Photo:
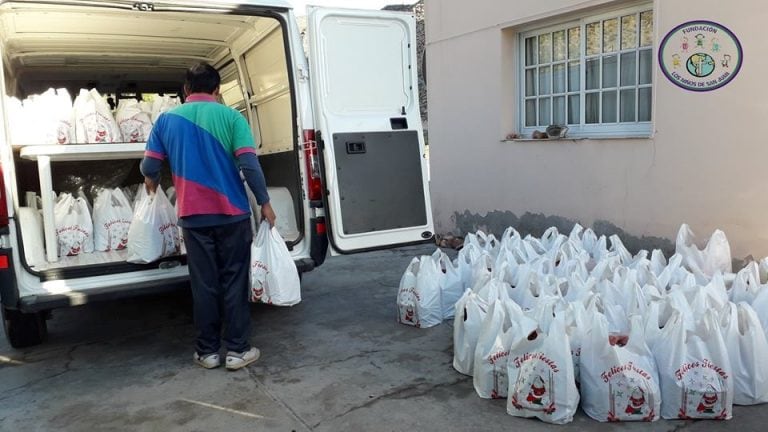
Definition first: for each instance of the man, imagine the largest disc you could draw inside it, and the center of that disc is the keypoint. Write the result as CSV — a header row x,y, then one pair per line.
x,y
207,146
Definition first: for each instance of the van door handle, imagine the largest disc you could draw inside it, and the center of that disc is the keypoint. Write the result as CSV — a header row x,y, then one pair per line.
x,y
355,147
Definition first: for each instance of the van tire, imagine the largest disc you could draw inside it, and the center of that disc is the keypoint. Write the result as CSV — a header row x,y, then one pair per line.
x,y
24,329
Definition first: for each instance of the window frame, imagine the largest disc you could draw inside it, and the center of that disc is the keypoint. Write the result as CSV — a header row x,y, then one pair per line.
x,y
583,129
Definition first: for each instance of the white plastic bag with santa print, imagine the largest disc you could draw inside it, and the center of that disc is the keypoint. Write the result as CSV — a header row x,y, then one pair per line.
x,y
153,233
135,124
470,314
418,298
74,227
54,116
112,214
503,326
748,349
695,370
94,122
273,276
407,302
542,383
618,383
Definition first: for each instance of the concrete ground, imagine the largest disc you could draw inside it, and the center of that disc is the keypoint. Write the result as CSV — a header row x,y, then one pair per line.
x,y
338,361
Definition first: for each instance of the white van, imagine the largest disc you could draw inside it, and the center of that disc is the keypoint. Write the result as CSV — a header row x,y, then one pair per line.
x,y
340,134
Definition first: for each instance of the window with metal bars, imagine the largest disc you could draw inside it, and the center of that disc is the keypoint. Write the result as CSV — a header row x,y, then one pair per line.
x,y
594,75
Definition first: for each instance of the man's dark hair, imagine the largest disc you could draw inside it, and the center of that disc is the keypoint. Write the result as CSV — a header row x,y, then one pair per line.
x,y
202,78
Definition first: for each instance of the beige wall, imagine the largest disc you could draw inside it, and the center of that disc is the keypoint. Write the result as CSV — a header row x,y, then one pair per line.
x,y
705,164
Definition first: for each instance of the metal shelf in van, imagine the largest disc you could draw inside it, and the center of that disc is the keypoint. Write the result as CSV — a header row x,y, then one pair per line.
x,y
79,152
45,154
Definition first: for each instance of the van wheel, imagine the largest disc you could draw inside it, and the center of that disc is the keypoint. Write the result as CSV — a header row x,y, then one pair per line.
x,y
24,329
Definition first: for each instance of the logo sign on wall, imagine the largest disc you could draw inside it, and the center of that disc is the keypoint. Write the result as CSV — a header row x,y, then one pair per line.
x,y
700,55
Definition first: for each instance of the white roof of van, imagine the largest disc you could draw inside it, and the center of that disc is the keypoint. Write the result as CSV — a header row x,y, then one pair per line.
x,y
285,4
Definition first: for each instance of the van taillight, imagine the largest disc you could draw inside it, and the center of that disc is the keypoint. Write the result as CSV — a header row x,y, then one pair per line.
x,y
3,201
311,158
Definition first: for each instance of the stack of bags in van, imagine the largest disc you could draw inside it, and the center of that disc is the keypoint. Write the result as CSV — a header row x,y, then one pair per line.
x,y
553,322
53,118
143,227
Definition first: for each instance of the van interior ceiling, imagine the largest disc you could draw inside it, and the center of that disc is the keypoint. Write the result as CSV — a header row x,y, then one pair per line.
x,y
128,53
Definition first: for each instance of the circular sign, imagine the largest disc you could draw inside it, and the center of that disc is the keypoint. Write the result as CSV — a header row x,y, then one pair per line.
x,y
700,55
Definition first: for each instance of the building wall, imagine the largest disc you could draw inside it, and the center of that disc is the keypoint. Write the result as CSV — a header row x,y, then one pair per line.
x,y
704,164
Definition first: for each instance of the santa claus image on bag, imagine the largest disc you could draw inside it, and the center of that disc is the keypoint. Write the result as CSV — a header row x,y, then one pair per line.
x,y
708,402
636,402
537,392
409,314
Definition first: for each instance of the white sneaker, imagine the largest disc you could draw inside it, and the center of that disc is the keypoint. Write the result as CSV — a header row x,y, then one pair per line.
x,y
237,360
208,361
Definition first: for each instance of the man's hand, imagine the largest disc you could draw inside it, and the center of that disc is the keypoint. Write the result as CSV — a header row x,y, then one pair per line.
x,y
268,214
150,185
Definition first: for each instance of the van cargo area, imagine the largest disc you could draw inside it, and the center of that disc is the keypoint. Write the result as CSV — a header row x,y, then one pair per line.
x,y
141,51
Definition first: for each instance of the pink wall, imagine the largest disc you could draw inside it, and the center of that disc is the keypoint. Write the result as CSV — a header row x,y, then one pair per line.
x,y
705,164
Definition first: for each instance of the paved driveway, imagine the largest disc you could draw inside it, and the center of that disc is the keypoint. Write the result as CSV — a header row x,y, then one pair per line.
x,y
336,362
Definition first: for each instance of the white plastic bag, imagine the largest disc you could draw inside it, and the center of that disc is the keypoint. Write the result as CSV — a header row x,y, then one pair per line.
x,y
162,104
53,116
746,286
153,233
135,124
716,255
94,122
504,325
407,301
274,278
541,376
470,313
618,383
112,214
748,350
74,227
695,370
451,285
31,222
489,372
418,297
465,262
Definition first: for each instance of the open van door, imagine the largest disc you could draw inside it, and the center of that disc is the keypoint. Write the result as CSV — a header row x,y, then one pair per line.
x,y
366,106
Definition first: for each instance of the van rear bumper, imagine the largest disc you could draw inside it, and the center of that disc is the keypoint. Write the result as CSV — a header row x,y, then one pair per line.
x,y
36,303
42,302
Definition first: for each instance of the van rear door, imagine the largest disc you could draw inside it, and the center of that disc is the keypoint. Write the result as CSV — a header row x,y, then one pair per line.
x,y
366,104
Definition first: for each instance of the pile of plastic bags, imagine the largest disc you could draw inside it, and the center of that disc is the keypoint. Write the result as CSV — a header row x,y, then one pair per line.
x,y
53,118
143,226
553,322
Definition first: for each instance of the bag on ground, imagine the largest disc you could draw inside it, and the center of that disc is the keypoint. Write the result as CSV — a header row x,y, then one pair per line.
x,y
748,350
470,313
418,297
503,326
74,227
541,376
619,379
274,278
153,233
716,255
451,286
694,369
112,214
